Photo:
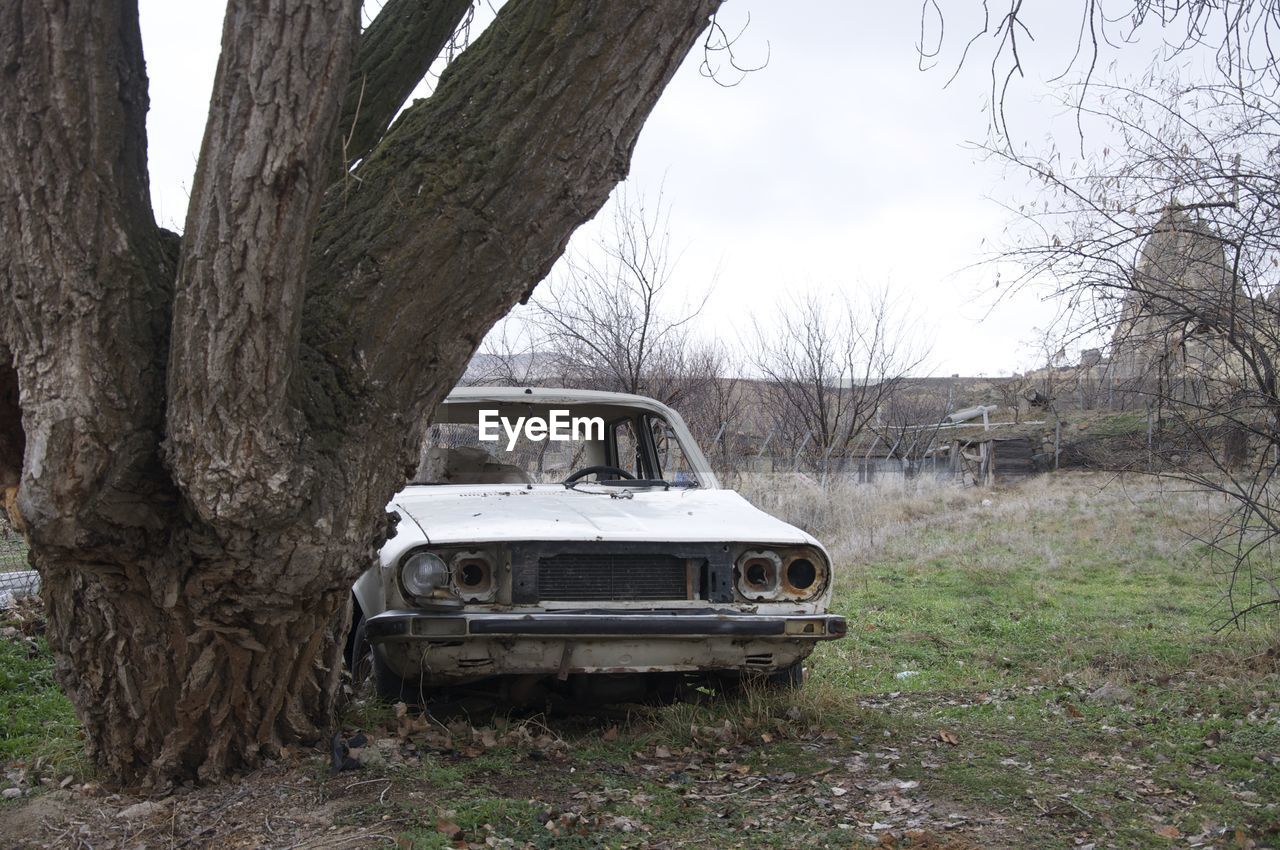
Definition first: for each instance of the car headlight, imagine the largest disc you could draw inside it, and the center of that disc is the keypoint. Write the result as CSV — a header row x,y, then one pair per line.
x,y
473,578
758,574
785,575
423,573
800,573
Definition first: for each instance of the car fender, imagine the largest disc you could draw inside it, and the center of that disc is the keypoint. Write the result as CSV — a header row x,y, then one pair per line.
x,y
368,593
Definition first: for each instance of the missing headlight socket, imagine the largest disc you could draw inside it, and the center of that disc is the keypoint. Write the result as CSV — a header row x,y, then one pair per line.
x,y
473,576
759,571
765,575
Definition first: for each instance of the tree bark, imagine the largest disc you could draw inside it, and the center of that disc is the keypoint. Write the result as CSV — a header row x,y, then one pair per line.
x,y
236,446
526,135
396,51
87,276
12,440
197,598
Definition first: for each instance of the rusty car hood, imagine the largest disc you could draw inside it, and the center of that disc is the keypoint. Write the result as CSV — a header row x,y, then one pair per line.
x,y
498,513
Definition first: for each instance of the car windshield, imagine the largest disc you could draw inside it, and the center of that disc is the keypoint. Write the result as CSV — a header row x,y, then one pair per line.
x,y
475,443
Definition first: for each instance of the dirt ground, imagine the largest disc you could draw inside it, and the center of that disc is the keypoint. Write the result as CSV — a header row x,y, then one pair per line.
x,y
572,782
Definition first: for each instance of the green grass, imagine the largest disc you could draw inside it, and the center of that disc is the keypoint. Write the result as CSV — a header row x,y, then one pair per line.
x,y
1010,614
37,724
1041,598
1018,593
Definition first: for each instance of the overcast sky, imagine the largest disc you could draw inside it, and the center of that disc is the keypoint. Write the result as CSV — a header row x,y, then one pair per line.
x,y
838,165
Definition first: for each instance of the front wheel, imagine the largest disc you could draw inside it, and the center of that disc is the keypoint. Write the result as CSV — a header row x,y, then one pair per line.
x,y
367,669
733,683
787,679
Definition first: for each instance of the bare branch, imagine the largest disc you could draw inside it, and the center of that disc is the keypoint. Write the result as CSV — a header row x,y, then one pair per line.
x,y
1168,253
828,367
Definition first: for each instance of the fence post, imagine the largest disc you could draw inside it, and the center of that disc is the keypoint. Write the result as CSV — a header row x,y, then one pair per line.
x,y
795,461
864,474
767,440
1151,460
1057,439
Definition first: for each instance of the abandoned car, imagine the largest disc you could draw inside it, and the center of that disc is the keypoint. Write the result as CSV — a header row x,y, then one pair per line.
x,y
570,540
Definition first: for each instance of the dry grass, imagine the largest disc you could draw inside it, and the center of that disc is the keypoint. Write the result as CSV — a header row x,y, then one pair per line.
x,y
855,521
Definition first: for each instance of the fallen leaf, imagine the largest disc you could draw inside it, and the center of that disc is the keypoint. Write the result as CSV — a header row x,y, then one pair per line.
x,y
948,737
449,829
661,752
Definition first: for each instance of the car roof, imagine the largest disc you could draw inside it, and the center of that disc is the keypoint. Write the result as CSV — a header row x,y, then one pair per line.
x,y
553,395
466,397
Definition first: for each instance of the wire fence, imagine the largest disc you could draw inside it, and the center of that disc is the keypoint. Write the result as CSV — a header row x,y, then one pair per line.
x,y
843,470
17,578
13,549
950,452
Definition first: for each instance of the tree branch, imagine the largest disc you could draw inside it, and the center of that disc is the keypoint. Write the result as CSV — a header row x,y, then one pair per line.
x,y
473,194
235,438
395,53
84,273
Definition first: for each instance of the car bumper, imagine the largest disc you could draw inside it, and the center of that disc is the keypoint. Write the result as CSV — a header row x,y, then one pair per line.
x,y
415,625
457,647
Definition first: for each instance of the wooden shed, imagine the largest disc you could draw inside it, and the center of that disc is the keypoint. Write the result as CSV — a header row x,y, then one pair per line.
x,y
988,459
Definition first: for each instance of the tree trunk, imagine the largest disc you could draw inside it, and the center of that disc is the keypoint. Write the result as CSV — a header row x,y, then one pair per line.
x,y
172,684
203,476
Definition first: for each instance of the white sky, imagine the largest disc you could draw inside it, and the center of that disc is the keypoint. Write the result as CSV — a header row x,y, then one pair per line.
x,y
838,165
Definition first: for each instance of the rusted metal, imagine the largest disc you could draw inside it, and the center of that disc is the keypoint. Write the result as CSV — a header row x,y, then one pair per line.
x,y
565,656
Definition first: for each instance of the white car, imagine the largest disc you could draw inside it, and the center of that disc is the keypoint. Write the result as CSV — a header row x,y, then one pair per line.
x,y
571,540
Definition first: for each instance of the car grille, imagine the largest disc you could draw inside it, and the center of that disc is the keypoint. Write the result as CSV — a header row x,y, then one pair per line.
x,y
604,577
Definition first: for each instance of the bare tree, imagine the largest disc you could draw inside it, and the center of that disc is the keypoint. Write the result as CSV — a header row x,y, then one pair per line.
x,y
213,424
710,402
1168,247
1013,393
510,356
1241,34
605,320
908,423
827,365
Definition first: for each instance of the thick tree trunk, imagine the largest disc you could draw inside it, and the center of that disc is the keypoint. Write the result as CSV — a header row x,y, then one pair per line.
x,y
204,477
178,679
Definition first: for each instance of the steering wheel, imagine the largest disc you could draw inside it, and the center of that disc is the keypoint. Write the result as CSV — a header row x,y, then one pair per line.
x,y
597,470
